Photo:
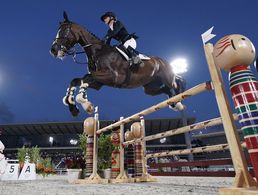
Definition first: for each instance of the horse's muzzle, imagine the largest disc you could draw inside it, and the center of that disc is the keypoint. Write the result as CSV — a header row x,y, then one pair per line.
x,y
54,50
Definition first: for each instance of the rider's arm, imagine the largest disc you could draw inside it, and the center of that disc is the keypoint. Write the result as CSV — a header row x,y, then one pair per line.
x,y
117,27
107,38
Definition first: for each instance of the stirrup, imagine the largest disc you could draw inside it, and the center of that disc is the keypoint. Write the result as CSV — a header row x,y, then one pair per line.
x,y
130,62
136,60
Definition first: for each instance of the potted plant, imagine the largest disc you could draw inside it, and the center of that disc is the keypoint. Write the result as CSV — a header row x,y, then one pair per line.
x,y
83,146
21,154
83,143
74,167
34,154
44,167
105,148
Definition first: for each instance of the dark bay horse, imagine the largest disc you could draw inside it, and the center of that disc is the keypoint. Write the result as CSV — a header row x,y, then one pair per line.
x,y
106,66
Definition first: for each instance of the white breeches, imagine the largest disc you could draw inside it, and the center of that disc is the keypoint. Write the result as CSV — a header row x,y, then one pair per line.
x,y
131,42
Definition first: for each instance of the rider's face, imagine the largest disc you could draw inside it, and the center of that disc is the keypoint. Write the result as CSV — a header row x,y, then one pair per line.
x,y
107,19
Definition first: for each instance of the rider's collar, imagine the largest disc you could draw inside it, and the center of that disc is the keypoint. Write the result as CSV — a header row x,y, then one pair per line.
x,y
111,26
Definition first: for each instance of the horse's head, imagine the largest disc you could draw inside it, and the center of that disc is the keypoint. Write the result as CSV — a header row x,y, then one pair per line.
x,y
65,39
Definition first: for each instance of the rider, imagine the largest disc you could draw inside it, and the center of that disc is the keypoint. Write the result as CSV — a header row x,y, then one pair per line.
x,y
3,162
118,31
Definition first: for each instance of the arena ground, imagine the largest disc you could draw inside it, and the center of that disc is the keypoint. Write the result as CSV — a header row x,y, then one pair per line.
x,y
58,185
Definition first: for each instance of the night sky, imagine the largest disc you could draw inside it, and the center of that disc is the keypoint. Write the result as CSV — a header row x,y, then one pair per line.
x,y
33,83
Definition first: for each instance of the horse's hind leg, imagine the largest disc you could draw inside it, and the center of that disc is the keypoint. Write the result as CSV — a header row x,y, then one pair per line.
x,y
174,85
154,88
180,85
170,79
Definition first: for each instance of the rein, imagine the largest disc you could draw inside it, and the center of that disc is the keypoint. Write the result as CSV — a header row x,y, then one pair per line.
x,y
72,52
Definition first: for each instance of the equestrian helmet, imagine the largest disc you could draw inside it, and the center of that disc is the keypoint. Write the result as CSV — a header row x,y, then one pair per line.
x,y
108,14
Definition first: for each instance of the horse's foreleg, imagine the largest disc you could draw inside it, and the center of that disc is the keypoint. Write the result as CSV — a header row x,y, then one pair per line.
x,y
87,82
68,99
83,100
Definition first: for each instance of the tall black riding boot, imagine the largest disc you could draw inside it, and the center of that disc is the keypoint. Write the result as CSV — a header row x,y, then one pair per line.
x,y
134,58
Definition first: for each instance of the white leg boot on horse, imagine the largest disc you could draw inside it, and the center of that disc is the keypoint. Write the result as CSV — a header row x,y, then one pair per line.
x,y
83,100
68,100
69,96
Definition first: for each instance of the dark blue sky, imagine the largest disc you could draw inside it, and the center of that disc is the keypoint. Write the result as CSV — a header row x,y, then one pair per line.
x,y
33,83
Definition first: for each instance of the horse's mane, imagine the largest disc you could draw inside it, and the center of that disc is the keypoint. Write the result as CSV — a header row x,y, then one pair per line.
x,y
91,33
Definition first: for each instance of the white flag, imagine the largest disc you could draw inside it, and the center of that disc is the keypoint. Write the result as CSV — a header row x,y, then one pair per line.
x,y
206,36
96,109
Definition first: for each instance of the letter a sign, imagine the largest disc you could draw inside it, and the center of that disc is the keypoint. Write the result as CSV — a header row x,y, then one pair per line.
x,y
28,172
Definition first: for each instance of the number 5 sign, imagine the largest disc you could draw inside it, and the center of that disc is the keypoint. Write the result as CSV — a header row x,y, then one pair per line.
x,y
11,172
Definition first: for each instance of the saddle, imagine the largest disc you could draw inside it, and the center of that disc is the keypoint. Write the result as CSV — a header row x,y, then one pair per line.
x,y
126,57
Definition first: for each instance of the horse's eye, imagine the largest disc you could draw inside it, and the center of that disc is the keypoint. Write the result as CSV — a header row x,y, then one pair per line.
x,y
243,38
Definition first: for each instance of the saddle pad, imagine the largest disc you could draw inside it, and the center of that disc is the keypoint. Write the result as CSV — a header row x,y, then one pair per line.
x,y
142,56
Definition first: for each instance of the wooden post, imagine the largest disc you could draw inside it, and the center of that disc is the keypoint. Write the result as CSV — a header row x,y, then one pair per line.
x,y
122,177
95,147
94,177
242,178
143,143
145,175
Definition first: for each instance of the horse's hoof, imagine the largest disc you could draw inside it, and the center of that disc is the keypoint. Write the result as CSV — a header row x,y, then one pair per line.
x,y
74,110
88,107
180,106
177,107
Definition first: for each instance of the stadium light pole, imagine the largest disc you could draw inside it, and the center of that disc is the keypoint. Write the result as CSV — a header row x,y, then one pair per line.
x,y
180,66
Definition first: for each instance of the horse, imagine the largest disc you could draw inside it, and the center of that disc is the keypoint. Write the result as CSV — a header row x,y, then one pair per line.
x,y
106,66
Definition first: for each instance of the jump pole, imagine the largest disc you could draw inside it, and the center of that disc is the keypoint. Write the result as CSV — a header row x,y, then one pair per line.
x,y
185,129
214,148
188,93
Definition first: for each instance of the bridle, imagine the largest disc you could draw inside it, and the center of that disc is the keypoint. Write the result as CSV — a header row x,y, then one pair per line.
x,y
64,39
72,50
